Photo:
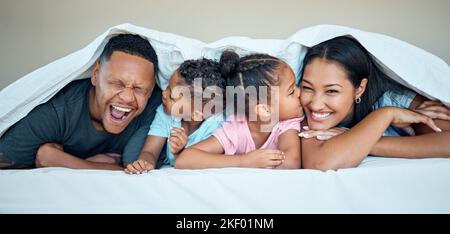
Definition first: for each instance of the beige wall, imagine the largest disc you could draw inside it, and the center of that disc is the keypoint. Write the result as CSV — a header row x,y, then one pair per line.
x,y
36,32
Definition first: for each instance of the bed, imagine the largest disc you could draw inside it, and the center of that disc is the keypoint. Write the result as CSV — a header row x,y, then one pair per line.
x,y
378,185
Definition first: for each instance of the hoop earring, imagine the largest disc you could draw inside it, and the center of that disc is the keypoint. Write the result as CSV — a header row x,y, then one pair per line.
x,y
358,100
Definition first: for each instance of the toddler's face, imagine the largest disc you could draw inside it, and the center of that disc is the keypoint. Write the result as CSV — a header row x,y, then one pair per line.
x,y
176,98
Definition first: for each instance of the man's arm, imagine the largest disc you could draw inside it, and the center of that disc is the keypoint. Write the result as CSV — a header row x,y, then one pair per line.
x,y
20,143
53,155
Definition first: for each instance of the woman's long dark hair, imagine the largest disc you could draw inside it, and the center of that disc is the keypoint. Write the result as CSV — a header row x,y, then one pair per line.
x,y
358,64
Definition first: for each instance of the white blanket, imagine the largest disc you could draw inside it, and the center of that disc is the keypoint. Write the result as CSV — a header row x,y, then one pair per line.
x,y
409,65
379,185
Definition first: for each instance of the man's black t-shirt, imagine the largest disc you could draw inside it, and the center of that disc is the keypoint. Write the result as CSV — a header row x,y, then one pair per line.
x,y
65,120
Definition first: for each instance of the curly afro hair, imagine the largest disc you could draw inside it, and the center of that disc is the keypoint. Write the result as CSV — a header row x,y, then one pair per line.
x,y
206,69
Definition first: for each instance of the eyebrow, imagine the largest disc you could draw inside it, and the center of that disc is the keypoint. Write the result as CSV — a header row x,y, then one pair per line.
x,y
328,85
117,79
306,81
333,85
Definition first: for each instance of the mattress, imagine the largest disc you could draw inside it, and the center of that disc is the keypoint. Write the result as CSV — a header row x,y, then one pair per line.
x,y
378,185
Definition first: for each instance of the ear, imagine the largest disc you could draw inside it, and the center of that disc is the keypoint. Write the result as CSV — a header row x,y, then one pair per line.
x,y
197,116
95,73
362,88
263,111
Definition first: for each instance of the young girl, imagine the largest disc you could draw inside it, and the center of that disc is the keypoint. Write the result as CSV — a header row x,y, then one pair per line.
x,y
342,86
245,137
179,121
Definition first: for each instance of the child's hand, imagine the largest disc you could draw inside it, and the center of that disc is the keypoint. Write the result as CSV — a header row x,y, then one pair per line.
x,y
139,166
263,158
177,140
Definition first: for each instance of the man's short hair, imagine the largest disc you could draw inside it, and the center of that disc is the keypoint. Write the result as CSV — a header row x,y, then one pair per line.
x,y
131,44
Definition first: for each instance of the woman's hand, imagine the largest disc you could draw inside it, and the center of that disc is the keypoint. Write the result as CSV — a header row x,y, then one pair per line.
x,y
322,135
403,118
434,110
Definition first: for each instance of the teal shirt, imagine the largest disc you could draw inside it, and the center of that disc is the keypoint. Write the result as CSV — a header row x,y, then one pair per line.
x,y
163,123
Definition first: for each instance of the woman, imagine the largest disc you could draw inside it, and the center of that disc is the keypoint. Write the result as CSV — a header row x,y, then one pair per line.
x,y
342,86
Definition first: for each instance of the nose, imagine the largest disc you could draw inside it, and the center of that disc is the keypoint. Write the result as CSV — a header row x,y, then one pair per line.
x,y
316,103
127,95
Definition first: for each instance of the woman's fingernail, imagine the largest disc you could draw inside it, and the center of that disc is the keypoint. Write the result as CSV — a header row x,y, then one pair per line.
x,y
439,130
305,127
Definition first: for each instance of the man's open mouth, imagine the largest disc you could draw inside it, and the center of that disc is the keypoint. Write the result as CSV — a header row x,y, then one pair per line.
x,y
119,113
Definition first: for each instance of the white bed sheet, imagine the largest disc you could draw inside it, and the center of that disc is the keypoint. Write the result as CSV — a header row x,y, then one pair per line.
x,y
378,185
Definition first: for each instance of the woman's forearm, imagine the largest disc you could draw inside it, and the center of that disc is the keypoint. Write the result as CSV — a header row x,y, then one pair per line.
x,y
349,148
423,146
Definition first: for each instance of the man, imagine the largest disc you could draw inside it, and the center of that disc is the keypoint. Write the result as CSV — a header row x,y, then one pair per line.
x,y
92,122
